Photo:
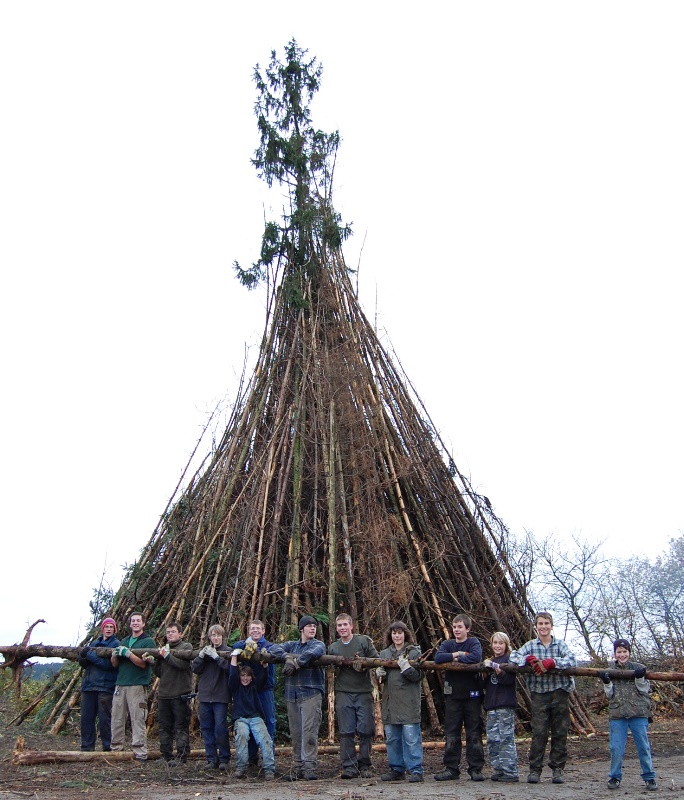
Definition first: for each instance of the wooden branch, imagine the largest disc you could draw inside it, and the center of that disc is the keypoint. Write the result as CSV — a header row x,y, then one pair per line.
x,y
18,653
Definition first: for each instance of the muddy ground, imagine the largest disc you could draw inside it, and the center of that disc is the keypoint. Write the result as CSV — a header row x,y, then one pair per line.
x,y
587,773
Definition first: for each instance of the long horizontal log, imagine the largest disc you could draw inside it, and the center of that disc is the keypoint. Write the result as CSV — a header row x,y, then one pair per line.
x,y
15,654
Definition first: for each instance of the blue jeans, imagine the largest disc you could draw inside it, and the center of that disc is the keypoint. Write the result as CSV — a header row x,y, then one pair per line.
x,y
268,706
618,740
404,748
257,727
214,727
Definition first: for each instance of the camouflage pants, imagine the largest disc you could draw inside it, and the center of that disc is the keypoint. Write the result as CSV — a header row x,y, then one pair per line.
x,y
550,715
501,741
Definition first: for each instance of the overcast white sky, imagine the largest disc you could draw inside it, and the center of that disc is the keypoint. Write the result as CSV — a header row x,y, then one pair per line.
x,y
514,174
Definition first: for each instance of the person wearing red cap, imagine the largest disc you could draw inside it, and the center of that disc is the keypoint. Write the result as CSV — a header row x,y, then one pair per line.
x,y
97,689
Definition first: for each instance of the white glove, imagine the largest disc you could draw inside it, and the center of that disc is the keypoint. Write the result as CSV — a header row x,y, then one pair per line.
x,y
488,663
403,663
202,652
147,658
380,673
165,651
237,652
211,652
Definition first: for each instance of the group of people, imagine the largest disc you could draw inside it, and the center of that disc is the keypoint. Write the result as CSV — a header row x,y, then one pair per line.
x,y
232,683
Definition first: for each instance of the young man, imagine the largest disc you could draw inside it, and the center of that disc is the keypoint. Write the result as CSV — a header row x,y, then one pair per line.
x,y
462,703
353,699
256,641
97,689
173,709
304,690
629,708
132,686
248,717
550,693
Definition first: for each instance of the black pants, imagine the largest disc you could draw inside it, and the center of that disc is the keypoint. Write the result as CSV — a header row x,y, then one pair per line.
x,y
96,705
459,714
173,721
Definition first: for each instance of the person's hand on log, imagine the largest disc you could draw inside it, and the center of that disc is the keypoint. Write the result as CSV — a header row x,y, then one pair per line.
x,y
263,651
250,648
238,651
605,677
148,658
531,660
122,651
639,672
165,651
291,664
211,652
403,663
380,674
357,664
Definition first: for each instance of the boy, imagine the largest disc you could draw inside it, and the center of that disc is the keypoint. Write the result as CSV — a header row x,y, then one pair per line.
x,y
304,689
175,680
353,699
132,686
214,698
97,689
257,641
462,703
629,709
248,717
550,697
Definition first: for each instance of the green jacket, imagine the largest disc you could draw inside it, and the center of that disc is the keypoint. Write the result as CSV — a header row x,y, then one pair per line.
x,y
628,699
175,674
129,673
401,690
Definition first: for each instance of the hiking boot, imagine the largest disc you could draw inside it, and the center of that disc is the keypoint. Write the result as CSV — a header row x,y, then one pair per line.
x,y
558,776
613,783
415,777
508,778
293,775
392,775
210,765
309,776
240,772
349,772
447,775
651,785
223,766
269,776
476,775
366,772
533,777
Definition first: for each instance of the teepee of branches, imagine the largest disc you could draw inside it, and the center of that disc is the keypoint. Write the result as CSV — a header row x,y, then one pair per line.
x,y
330,489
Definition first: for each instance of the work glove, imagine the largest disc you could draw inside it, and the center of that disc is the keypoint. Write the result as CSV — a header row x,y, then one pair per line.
x,y
263,651
380,673
531,660
538,667
639,672
548,663
488,664
148,658
250,648
237,652
605,677
123,652
165,651
211,652
357,664
403,663
291,664
376,693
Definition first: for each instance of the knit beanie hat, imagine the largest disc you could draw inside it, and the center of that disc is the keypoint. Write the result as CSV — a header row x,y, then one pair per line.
x,y
108,621
622,643
306,620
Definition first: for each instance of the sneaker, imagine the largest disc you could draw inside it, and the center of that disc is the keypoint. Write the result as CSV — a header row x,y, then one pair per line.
x,y
533,777
223,766
366,772
269,776
392,775
558,776
210,765
508,779
476,775
447,775
415,777
613,783
349,772
651,785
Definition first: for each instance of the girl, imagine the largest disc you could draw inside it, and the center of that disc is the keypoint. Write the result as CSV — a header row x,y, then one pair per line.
x,y
401,706
500,703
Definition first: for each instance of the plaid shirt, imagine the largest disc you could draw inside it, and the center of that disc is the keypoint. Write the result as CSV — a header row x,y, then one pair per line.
x,y
548,682
306,681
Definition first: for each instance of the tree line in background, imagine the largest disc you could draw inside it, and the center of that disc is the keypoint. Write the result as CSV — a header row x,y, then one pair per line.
x,y
596,598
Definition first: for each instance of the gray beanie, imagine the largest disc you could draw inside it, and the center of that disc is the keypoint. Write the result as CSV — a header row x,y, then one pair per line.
x,y
306,620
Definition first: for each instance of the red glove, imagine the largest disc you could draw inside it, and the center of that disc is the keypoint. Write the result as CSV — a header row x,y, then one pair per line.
x,y
548,663
538,667
531,660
